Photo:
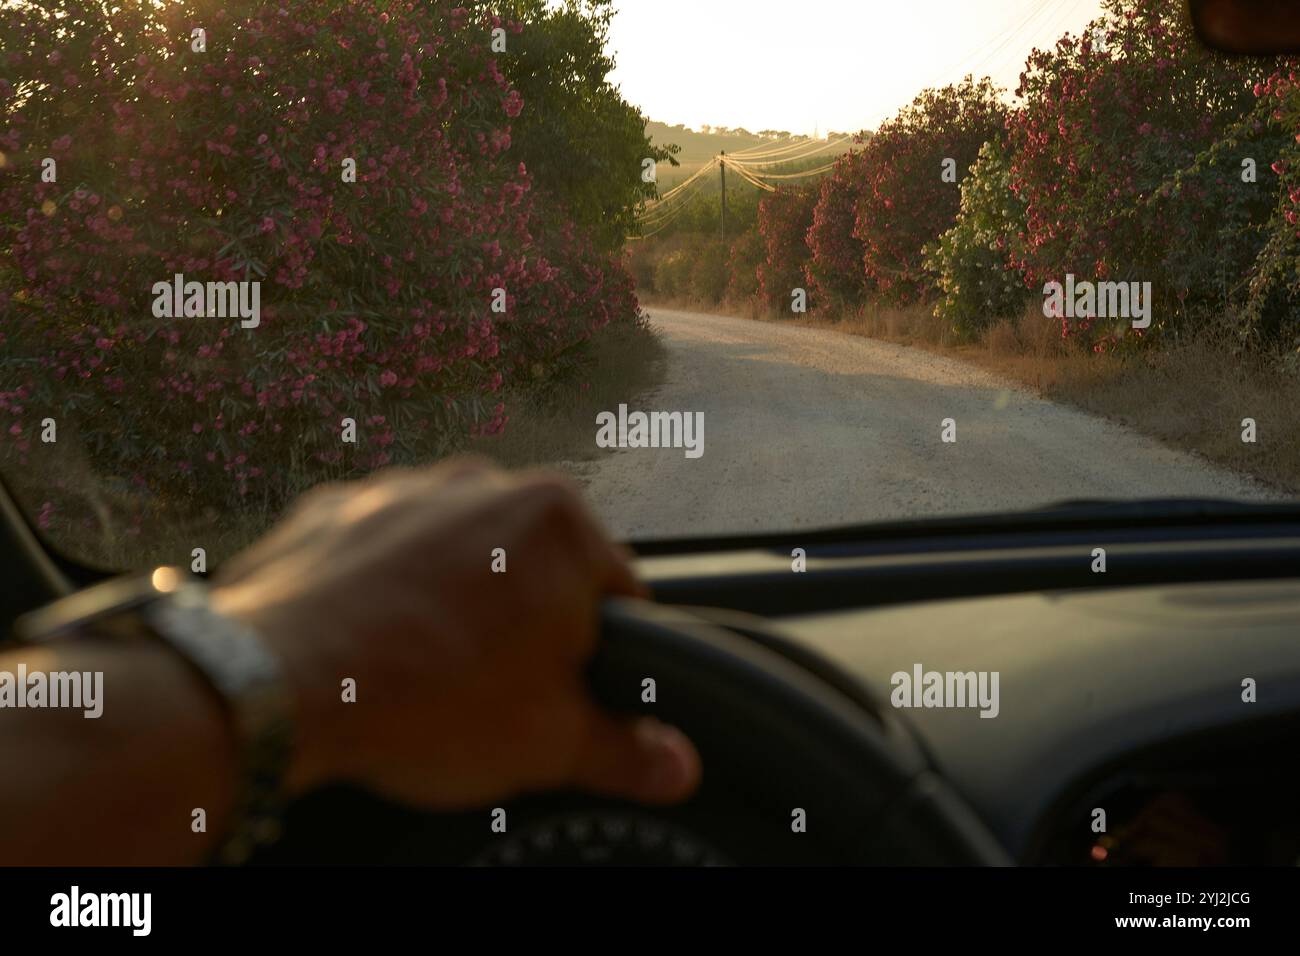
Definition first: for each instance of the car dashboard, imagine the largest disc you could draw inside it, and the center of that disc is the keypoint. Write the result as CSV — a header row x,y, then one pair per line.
x,y
1145,715
1146,725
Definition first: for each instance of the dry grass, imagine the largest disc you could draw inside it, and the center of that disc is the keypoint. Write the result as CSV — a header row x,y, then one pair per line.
x,y
686,304
560,426
1194,396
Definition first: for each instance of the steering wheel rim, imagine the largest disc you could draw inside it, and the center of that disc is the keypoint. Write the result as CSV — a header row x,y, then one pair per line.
x,y
765,715
871,784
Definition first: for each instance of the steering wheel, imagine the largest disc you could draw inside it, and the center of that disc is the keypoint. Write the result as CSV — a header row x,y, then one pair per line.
x,y
800,762
810,736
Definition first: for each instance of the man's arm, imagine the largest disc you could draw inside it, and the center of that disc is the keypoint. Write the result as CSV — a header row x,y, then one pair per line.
x,y
120,788
469,684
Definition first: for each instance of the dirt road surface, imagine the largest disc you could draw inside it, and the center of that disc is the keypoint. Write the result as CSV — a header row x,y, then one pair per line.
x,y
805,428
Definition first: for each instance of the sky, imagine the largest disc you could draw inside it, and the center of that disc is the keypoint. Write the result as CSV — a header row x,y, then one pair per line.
x,y
815,65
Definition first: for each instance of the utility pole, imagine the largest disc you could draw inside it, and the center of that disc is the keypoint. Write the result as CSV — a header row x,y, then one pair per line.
x,y
722,168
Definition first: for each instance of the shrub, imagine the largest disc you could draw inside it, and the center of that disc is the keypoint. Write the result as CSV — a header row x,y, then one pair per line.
x,y
640,259
1106,128
835,271
1272,306
673,273
971,261
709,273
784,217
742,266
226,165
904,203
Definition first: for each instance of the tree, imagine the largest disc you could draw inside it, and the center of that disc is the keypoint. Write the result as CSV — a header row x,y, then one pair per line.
x,y
578,138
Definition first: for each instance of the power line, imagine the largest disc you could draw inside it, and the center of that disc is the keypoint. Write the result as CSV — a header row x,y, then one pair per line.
x,y
790,159
666,207
661,214
806,172
792,147
760,146
816,144
749,178
663,221
1045,13
684,183
1000,37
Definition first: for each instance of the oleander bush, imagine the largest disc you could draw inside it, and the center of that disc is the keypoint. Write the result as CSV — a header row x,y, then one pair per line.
x,y
1271,312
836,277
904,202
784,218
1104,154
228,164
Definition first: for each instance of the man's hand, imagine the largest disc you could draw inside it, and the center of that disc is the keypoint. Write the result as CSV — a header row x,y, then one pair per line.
x,y
470,683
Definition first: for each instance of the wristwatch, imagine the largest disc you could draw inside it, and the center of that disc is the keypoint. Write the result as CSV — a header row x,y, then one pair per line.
x,y
170,606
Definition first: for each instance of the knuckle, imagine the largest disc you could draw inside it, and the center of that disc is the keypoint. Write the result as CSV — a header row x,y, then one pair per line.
x,y
465,464
556,492
554,515
320,497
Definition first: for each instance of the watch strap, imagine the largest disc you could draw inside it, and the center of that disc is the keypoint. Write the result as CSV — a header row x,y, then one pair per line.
x,y
248,676
228,656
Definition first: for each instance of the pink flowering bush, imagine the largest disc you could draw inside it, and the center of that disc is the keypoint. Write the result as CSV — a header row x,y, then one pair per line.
x,y
784,217
376,295
1272,307
835,271
1103,152
904,203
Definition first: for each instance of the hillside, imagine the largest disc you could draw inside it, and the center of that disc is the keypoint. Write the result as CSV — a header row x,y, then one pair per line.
x,y
698,147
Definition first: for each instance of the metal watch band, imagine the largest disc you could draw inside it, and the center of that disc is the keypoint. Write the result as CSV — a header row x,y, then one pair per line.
x,y
230,658
249,679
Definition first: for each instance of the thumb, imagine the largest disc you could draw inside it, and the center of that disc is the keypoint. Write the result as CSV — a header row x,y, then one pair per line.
x,y
637,758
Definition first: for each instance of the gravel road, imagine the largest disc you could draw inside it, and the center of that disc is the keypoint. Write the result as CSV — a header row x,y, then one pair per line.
x,y
806,428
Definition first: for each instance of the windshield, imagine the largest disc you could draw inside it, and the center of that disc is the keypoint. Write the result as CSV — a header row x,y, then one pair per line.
x,y
734,267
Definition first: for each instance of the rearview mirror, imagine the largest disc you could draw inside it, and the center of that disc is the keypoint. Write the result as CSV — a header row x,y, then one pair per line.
x,y
1253,27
